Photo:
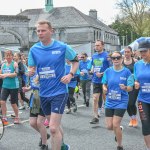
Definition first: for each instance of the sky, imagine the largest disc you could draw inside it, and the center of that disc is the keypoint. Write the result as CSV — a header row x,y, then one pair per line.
x,y
106,9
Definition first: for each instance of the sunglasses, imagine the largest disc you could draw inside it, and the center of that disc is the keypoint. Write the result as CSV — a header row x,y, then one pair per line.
x,y
116,58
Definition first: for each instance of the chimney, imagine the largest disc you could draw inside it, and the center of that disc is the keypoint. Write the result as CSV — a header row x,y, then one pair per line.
x,y
48,5
93,13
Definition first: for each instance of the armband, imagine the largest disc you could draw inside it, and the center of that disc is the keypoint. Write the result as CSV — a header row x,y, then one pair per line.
x,y
75,59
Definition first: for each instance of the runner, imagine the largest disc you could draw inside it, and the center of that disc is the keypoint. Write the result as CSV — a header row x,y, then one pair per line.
x,y
37,116
85,78
71,102
21,72
10,86
99,64
142,82
48,57
117,82
129,62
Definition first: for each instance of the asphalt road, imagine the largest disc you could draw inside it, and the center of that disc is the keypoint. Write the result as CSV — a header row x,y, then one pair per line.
x,y
79,134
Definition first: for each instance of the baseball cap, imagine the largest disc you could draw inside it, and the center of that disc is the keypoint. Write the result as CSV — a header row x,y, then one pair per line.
x,y
144,44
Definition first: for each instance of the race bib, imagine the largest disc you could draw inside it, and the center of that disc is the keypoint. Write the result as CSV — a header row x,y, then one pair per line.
x,y
47,73
84,70
97,69
114,95
146,88
6,70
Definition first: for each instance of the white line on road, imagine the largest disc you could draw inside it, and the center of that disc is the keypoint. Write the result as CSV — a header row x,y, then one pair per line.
x,y
24,121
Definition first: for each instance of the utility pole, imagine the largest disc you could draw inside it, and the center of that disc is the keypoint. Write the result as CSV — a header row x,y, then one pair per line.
x,y
123,39
131,36
126,40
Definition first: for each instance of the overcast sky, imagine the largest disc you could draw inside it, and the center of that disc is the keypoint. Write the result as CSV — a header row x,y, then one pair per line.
x,y
106,8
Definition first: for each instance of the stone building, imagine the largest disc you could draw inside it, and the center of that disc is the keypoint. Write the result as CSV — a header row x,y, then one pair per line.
x,y
73,27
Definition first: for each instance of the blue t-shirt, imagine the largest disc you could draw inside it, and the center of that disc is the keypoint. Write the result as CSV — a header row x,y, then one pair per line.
x,y
34,85
142,75
73,81
50,63
116,98
100,64
83,67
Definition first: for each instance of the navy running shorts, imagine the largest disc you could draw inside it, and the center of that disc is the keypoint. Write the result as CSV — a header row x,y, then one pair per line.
x,y
55,104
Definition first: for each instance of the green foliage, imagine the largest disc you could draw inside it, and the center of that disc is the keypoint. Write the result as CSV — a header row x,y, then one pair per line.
x,y
126,32
136,13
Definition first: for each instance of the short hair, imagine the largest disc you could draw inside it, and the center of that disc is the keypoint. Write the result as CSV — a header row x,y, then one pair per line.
x,y
85,54
9,52
41,22
102,42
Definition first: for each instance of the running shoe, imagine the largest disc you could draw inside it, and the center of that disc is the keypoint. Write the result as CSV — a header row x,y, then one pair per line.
x,y
135,123
94,121
16,120
68,111
21,107
13,115
40,143
131,123
44,147
65,147
87,104
75,107
120,148
46,123
5,121
121,127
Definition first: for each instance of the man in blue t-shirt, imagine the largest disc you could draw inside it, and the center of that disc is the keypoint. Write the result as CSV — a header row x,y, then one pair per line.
x,y
48,57
99,64
85,78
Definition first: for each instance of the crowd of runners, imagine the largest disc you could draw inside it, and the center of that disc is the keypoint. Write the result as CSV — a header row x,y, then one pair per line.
x,y
53,71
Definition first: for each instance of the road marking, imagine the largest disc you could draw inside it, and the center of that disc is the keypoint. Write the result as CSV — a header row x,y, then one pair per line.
x,y
12,112
24,121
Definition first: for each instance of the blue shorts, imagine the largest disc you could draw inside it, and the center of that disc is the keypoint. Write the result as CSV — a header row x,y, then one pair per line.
x,y
55,104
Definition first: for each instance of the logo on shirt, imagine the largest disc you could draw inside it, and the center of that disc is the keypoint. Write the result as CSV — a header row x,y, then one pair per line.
x,y
56,52
123,78
56,109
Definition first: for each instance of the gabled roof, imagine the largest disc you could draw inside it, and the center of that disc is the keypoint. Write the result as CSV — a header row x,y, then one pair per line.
x,y
62,17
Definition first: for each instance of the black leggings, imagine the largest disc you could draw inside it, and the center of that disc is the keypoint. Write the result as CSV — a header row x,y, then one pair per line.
x,y
144,111
71,99
100,102
132,109
22,94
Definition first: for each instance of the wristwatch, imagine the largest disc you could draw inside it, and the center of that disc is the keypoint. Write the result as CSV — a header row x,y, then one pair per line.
x,y
71,74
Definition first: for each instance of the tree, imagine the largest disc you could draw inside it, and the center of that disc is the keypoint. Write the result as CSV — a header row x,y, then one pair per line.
x,y
125,31
135,13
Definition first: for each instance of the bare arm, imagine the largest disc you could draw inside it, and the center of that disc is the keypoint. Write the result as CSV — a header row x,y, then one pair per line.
x,y
126,88
31,70
104,88
10,75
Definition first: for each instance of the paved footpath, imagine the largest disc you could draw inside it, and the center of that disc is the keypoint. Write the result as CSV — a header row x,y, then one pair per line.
x,y
78,132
